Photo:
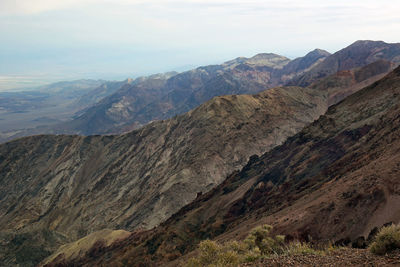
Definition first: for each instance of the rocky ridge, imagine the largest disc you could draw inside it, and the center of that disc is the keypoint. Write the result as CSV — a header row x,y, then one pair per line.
x,y
163,97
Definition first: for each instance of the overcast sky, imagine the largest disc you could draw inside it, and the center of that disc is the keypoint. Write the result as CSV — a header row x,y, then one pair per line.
x,y
47,40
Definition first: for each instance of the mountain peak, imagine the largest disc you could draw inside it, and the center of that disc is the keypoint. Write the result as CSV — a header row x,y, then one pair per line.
x,y
319,52
267,56
268,59
262,59
366,43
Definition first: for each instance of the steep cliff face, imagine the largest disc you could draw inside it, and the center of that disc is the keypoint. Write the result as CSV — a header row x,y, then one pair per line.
x,y
73,185
336,178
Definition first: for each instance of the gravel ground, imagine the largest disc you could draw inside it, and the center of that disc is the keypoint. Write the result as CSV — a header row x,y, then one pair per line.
x,y
339,257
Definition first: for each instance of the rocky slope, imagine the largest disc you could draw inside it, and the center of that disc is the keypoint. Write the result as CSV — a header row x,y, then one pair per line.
x,y
358,54
301,65
344,83
162,97
338,178
73,185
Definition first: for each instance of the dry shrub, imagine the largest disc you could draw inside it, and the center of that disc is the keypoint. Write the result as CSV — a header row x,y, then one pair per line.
x,y
214,255
258,243
300,248
261,238
387,240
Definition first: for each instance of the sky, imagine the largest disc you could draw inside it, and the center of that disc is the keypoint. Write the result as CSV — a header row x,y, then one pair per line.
x,y
44,41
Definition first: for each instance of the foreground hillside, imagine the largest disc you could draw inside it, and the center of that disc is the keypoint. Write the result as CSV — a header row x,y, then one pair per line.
x,y
69,186
338,178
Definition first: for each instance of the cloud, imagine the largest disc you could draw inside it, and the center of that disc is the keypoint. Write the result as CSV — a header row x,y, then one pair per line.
x,y
21,7
12,7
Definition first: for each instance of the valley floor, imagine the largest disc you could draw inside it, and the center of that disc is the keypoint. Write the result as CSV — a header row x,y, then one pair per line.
x,y
337,257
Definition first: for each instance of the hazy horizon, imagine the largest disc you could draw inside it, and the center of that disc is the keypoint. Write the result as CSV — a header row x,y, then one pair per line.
x,y
47,41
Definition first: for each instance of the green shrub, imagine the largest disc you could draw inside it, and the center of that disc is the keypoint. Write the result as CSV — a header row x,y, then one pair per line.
x,y
387,240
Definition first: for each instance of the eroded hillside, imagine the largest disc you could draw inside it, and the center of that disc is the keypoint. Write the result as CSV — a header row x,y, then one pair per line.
x,y
73,185
337,178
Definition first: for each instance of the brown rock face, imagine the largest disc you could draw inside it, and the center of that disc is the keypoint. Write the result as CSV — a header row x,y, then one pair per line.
x,y
74,185
337,178
346,82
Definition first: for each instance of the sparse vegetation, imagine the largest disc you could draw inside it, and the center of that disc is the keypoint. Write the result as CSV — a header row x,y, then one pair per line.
x,y
387,240
260,239
213,254
258,244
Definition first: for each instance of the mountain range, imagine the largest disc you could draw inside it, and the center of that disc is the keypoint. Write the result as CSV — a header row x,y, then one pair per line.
x,y
244,150
337,178
118,107
133,107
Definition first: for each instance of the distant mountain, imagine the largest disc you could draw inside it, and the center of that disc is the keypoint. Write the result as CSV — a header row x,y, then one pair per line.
x,y
119,107
69,89
111,113
138,104
162,97
337,178
301,65
356,55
